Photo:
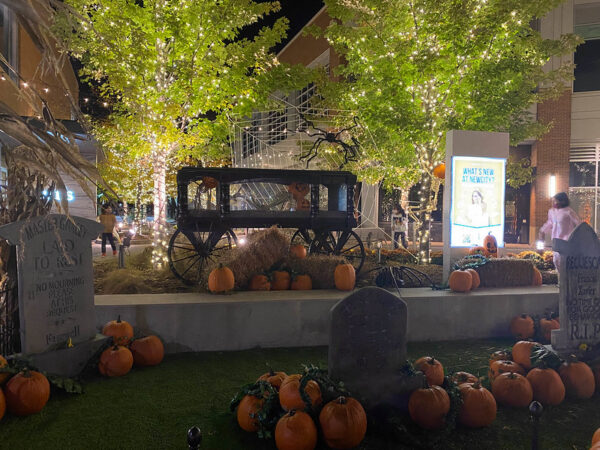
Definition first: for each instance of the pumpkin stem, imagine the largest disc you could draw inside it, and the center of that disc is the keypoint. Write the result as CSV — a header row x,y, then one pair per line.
x,y
431,361
512,375
523,316
477,385
292,412
119,318
116,347
341,400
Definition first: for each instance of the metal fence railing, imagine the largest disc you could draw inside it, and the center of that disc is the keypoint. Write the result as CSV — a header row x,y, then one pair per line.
x,y
10,339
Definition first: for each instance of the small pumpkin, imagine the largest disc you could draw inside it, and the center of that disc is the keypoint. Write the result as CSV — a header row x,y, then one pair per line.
x,y
120,330
295,431
460,281
477,251
273,378
3,375
522,327
27,393
490,244
344,277
479,406
578,378
596,436
221,280
463,377
115,361
512,389
428,407
259,283
439,171
501,366
536,279
546,327
521,353
147,351
547,386
301,283
289,393
432,368
500,355
246,411
475,280
281,280
298,251
343,422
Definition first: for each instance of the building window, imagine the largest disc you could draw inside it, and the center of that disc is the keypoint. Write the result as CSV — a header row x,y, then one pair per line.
x,y
8,41
587,55
584,192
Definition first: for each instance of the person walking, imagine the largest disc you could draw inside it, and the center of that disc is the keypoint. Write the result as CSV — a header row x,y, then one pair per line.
x,y
561,222
108,221
399,226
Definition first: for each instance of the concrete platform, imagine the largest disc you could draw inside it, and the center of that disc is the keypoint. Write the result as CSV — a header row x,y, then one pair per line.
x,y
242,320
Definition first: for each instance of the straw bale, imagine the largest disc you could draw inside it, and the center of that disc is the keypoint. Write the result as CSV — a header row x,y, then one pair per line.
x,y
125,281
505,272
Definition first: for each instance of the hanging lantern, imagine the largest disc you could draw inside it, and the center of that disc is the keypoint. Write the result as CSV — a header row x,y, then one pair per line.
x,y
439,171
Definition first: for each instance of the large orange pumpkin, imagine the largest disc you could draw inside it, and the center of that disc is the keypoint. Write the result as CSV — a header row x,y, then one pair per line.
x,y
439,171
247,409
522,327
147,351
295,431
301,283
3,375
512,389
428,407
432,368
475,280
221,280
259,283
345,277
281,280
578,379
119,330
289,393
479,406
547,386
500,367
27,393
115,361
298,251
490,244
521,353
546,327
343,422
273,378
460,281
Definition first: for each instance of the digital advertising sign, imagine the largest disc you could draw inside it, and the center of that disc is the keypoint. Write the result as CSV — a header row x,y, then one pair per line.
x,y
477,202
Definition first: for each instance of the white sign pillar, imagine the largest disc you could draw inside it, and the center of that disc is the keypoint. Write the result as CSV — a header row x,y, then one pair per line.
x,y
476,177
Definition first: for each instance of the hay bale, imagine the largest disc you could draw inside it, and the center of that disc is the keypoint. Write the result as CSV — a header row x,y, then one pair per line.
x,y
125,281
505,272
320,268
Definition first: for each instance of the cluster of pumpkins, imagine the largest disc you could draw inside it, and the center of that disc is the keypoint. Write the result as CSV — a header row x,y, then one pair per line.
x,y
118,359
467,280
343,421
222,279
523,327
24,393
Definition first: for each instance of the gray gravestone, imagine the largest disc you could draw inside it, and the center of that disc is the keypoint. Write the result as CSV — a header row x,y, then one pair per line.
x,y
367,346
579,290
56,284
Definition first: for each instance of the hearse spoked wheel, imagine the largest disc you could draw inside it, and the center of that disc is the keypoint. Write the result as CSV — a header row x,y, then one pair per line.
x,y
302,236
340,243
190,252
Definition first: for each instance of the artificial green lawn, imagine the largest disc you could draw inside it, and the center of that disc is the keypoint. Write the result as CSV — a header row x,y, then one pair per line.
x,y
152,408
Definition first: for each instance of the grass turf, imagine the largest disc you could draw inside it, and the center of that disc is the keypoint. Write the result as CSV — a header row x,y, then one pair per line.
x,y
152,408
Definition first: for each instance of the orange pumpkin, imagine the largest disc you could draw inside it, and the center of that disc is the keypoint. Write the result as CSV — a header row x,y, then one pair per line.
x,y
477,251
289,393
476,281
27,393
209,182
432,368
522,327
3,375
115,361
499,367
512,389
273,378
546,327
345,277
491,246
301,283
246,413
479,406
221,280
344,423
295,431
281,280
460,281
547,386
298,251
464,377
119,330
596,436
260,283
428,407
578,378
521,353
439,171
147,351
537,277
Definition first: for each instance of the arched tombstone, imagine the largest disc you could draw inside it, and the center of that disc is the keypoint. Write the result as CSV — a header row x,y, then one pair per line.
x,y
579,290
367,347
56,289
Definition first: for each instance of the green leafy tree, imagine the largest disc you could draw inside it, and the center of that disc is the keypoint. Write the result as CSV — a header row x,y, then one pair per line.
x,y
172,72
415,69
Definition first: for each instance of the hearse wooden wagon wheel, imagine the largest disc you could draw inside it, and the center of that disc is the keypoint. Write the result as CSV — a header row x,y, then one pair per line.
x,y
190,252
302,236
342,243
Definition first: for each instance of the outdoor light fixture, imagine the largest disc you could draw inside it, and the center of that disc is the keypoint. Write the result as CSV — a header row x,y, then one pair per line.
x,y
539,245
552,186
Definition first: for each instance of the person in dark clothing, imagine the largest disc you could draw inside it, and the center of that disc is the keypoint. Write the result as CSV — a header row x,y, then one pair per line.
x,y
399,226
108,221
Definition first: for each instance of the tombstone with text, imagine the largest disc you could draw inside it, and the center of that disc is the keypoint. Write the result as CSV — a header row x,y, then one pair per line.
x,y
579,290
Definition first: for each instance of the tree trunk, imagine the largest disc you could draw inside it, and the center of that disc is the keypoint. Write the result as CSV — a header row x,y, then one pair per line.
x,y
159,253
427,204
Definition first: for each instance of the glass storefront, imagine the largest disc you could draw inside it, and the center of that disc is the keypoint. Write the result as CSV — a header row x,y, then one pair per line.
x,y
584,184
